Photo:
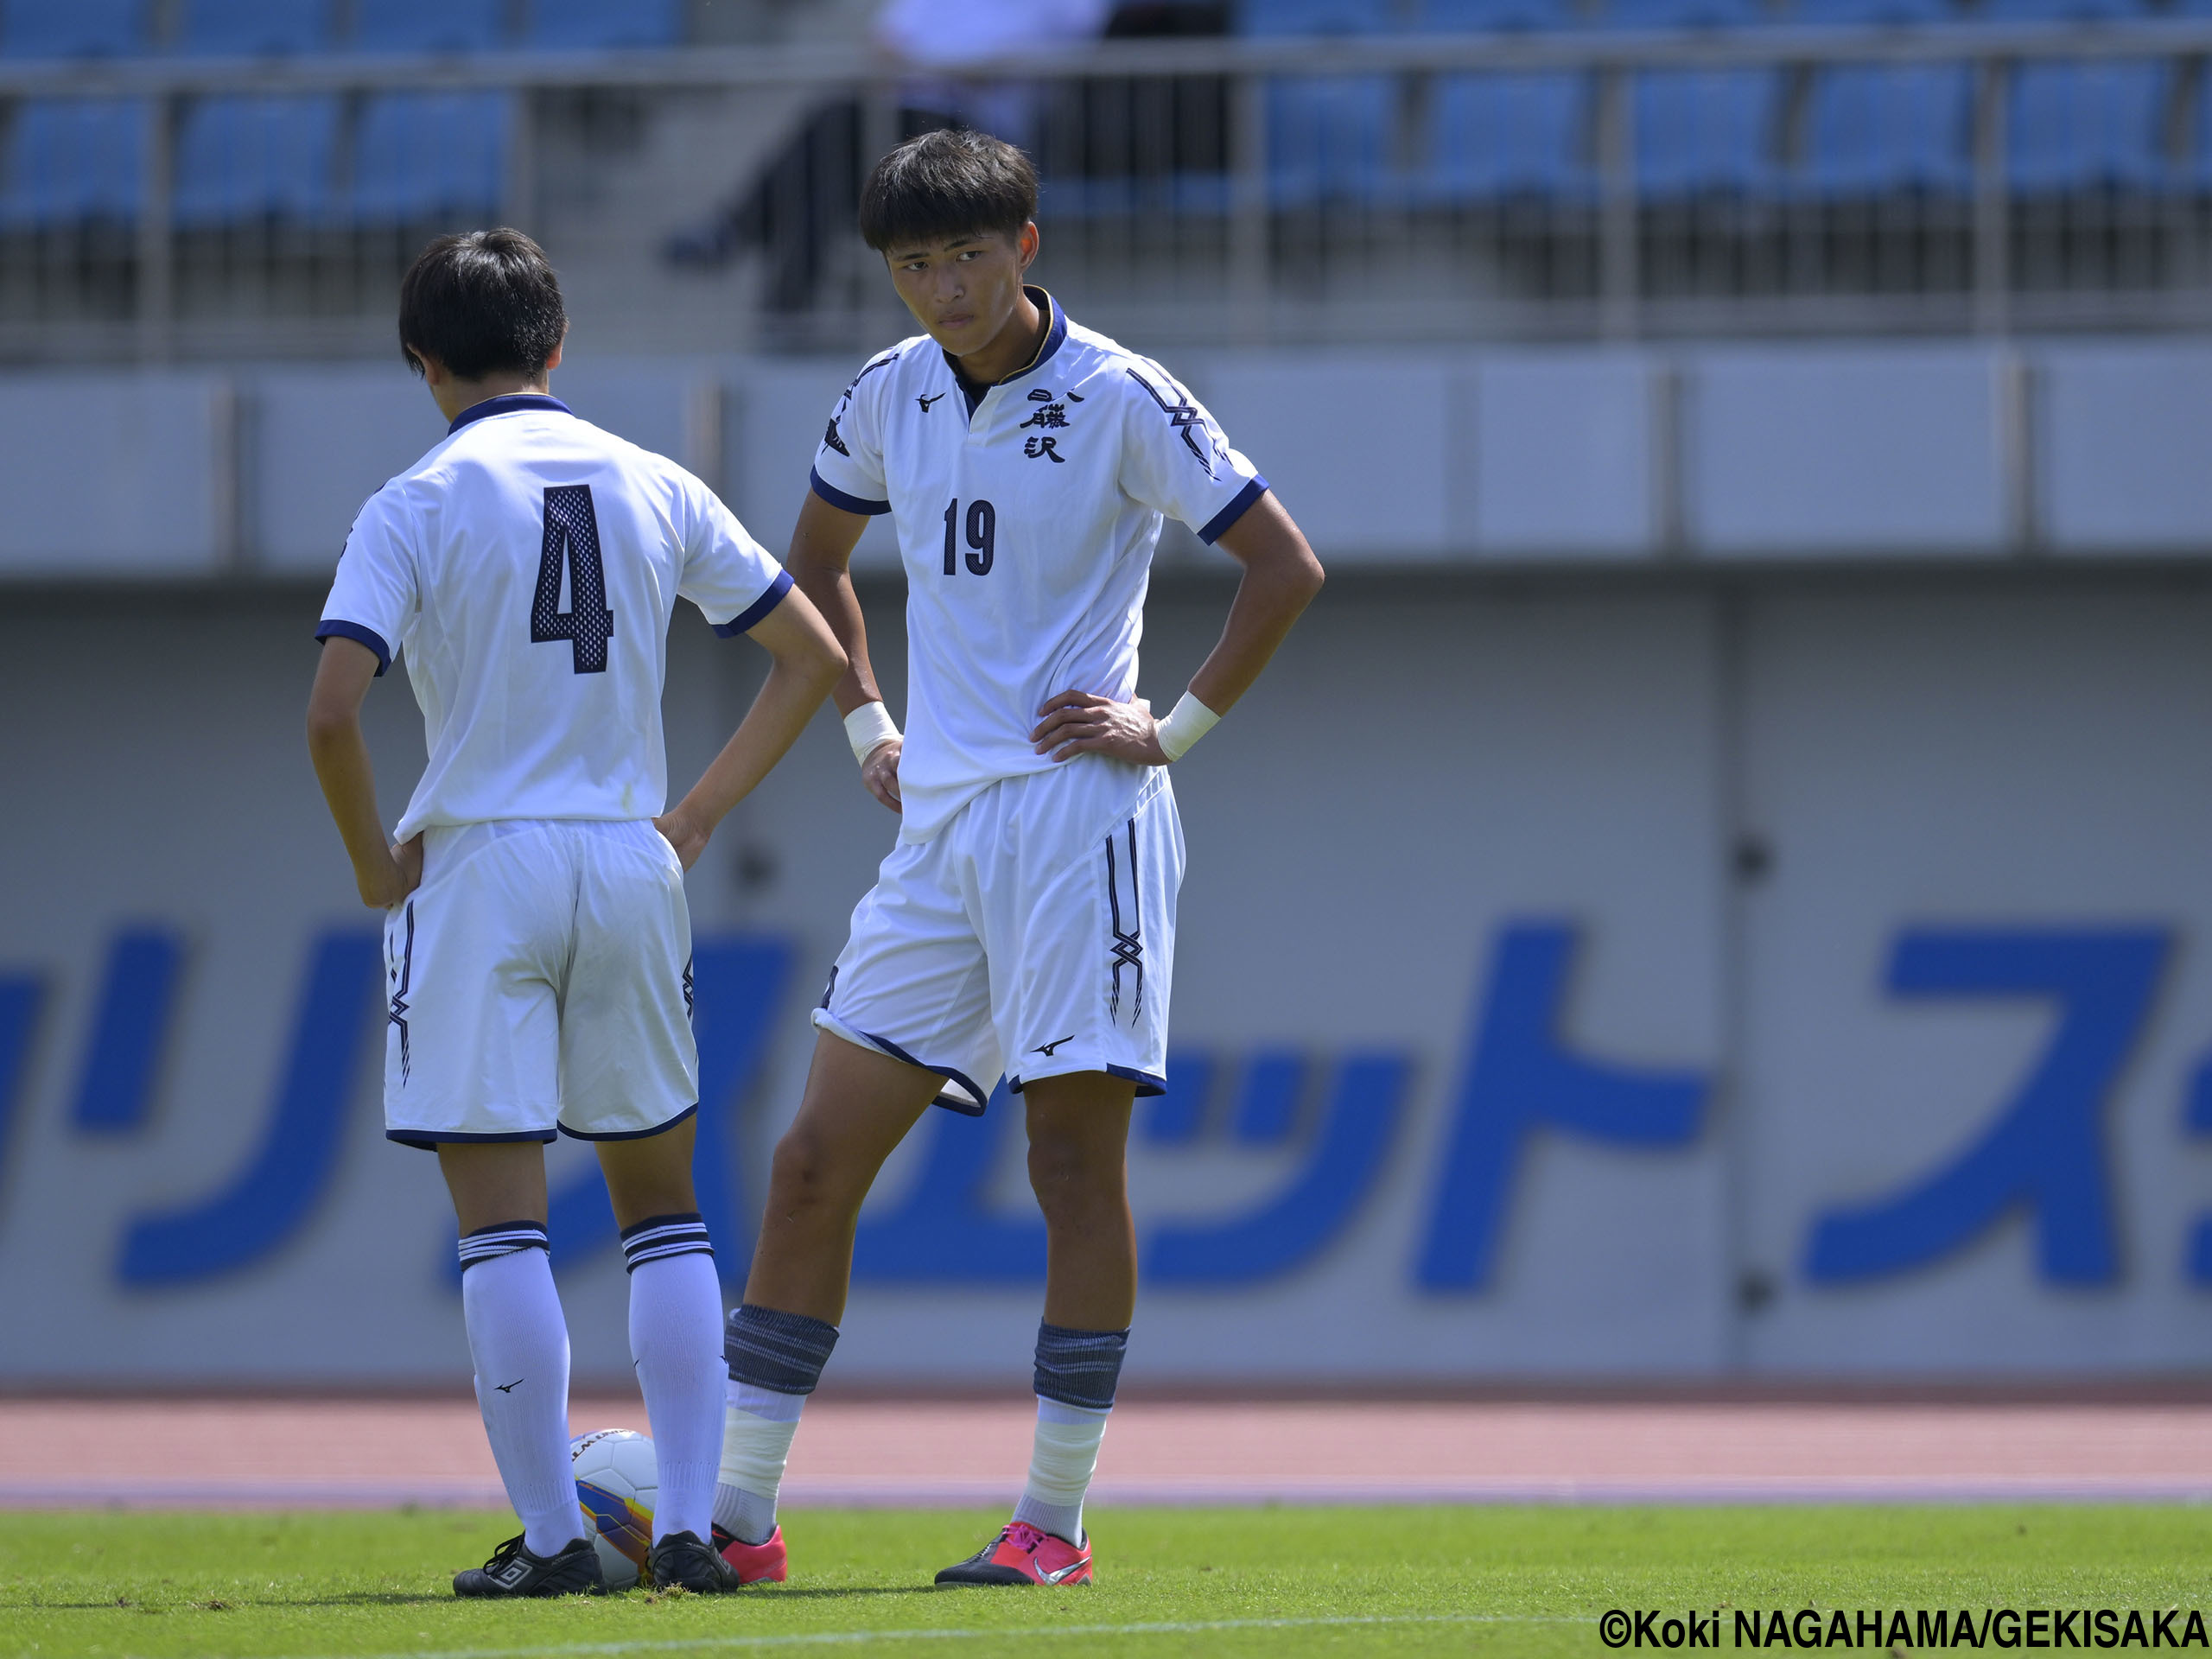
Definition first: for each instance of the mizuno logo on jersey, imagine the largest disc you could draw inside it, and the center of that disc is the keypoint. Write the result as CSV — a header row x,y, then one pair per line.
x,y
1184,415
927,398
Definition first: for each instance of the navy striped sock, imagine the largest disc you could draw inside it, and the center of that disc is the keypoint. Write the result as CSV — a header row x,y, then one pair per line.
x,y
662,1236
782,1353
502,1238
1080,1368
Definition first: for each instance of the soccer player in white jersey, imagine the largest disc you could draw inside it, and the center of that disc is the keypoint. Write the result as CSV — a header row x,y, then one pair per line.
x,y
536,937
1024,924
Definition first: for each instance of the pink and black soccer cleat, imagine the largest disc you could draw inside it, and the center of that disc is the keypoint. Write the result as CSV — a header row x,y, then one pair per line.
x,y
755,1563
1023,1554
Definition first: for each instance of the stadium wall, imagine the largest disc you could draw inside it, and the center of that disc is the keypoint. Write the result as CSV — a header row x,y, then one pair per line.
x,y
1648,966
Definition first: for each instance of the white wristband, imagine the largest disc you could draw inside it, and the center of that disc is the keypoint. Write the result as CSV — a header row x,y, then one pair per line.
x,y
1186,722
867,728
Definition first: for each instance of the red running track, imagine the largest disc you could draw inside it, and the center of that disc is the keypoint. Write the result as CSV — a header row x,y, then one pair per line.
x,y
256,1452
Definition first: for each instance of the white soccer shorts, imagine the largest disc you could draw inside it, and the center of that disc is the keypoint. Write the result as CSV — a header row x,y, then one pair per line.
x,y
540,979
1033,936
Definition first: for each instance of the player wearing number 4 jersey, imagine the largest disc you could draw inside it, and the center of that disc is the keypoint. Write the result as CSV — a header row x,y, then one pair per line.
x,y
1024,924
538,946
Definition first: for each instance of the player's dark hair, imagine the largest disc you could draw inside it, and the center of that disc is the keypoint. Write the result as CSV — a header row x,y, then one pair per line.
x,y
481,302
947,183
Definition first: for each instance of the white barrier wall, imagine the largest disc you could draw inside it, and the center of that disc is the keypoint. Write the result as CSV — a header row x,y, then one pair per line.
x,y
1588,977
1903,450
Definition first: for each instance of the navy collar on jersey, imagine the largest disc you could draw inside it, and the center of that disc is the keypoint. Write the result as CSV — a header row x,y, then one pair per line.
x,y
1055,336
506,405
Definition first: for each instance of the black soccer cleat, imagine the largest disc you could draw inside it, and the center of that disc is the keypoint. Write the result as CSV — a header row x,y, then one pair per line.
x,y
683,1561
513,1571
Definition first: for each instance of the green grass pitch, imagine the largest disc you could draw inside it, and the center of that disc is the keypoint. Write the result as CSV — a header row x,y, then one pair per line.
x,y
1278,1582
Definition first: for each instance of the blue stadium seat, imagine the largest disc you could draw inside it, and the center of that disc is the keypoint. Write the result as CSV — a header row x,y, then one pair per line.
x,y
1277,17
2077,124
429,155
1872,129
2073,126
429,25
1475,16
1701,130
247,158
604,23
1496,136
1328,137
71,29
253,27
72,161
250,158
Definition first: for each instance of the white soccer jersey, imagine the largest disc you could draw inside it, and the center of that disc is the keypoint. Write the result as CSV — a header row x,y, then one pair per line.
x,y
1027,526
528,566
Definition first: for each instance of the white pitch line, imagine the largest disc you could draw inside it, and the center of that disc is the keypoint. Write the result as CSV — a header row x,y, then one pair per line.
x,y
847,1639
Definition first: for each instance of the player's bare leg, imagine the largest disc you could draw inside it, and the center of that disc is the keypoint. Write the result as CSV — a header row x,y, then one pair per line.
x,y
858,1106
1078,1142
1078,1167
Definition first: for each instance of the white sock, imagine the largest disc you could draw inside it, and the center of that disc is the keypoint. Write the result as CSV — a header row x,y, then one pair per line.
x,y
757,1431
520,1345
1061,1463
676,1336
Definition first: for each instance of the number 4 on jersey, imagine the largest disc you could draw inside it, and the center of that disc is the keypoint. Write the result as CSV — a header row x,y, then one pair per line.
x,y
572,543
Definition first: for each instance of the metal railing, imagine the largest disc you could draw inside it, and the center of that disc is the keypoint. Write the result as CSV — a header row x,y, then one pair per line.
x,y
1372,189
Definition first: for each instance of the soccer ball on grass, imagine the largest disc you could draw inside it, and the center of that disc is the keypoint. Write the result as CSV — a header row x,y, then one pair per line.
x,y
616,1481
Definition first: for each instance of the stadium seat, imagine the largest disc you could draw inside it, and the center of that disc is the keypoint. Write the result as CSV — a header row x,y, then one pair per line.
x,y
1495,136
1701,130
247,158
589,23
2072,126
429,25
71,29
242,158
253,27
73,161
1328,137
1874,129
429,155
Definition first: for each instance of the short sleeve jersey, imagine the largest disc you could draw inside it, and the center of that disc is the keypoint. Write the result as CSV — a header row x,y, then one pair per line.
x,y
527,568
1026,524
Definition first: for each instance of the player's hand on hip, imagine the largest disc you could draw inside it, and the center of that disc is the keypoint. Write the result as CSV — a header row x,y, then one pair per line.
x,y
1078,722
687,836
879,771
388,884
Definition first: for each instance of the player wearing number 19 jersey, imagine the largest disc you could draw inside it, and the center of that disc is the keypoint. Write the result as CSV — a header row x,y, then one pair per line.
x,y
1023,926
538,946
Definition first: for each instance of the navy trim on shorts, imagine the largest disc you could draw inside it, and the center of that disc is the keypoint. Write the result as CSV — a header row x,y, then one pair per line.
x,y
951,1103
744,621
630,1135
1227,518
430,1139
838,498
331,628
1148,1083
